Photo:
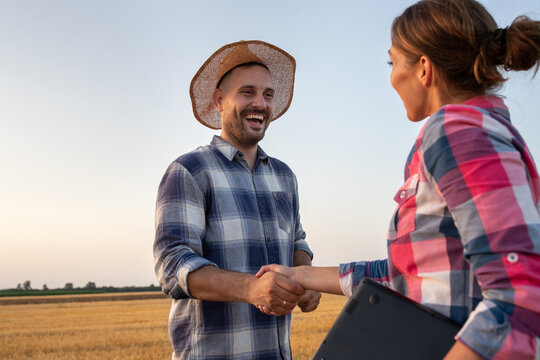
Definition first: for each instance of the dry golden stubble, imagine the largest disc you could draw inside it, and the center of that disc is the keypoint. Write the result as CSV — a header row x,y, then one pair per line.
x,y
125,329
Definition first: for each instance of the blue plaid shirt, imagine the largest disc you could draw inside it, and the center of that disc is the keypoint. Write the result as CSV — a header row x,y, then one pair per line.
x,y
212,210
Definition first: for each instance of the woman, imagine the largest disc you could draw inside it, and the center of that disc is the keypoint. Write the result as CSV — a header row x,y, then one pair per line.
x,y
465,238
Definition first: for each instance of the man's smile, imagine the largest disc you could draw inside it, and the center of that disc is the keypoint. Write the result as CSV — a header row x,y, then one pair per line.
x,y
255,120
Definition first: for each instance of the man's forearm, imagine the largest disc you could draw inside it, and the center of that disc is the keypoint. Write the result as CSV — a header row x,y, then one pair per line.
x,y
300,257
213,284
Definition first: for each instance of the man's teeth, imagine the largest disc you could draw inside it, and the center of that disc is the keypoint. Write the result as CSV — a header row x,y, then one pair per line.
x,y
255,117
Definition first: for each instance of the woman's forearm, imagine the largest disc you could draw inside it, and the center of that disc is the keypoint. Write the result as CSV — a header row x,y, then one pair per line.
x,y
323,279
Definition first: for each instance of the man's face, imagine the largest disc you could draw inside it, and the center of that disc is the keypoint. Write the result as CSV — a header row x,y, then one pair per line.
x,y
245,100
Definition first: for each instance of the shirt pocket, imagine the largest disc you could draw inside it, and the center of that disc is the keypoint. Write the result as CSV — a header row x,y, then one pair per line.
x,y
284,208
403,219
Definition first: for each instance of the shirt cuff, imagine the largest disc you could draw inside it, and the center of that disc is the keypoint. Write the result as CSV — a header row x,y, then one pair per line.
x,y
189,263
485,330
350,275
302,245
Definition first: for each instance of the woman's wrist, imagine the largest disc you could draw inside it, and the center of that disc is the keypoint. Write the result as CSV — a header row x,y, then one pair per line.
x,y
299,275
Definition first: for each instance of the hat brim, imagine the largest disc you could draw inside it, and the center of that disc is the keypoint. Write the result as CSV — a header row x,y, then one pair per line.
x,y
281,65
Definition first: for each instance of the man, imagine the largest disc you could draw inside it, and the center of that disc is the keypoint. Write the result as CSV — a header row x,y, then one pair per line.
x,y
226,209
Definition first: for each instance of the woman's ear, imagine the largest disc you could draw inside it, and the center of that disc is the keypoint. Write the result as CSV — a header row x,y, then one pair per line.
x,y
217,99
425,71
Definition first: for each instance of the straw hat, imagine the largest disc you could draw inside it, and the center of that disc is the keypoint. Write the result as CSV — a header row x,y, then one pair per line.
x,y
280,64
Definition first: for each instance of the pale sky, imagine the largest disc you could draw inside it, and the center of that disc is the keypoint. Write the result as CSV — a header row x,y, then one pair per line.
x,y
94,105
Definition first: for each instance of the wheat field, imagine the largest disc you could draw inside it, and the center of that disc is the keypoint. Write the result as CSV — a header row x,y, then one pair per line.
x,y
119,328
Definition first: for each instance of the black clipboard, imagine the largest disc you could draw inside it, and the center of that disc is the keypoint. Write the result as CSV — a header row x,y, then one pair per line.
x,y
379,323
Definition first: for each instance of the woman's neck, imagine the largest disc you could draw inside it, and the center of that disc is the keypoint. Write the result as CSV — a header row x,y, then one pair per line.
x,y
441,97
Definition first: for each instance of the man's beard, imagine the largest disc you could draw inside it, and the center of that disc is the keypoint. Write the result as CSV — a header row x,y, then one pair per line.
x,y
237,129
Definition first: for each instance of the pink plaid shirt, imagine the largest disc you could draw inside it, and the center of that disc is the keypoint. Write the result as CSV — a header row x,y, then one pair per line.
x,y
465,237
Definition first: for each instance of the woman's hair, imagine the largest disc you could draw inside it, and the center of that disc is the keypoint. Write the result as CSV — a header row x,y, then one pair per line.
x,y
464,43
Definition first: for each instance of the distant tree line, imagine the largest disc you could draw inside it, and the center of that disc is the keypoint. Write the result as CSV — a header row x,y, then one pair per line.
x,y
26,289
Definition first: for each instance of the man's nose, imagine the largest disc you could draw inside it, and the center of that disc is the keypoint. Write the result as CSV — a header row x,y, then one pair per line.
x,y
259,101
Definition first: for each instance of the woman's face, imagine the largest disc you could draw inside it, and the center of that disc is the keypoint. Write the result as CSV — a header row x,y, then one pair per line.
x,y
406,79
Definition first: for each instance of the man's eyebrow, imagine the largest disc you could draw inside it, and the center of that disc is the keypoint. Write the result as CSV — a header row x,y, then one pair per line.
x,y
247,86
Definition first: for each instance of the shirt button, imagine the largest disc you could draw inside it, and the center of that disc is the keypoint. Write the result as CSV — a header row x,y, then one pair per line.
x,y
512,257
402,194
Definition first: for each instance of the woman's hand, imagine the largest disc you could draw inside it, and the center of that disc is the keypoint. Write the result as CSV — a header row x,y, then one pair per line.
x,y
280,269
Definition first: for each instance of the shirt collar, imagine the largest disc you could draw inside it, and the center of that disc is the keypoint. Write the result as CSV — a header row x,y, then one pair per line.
x,y
230,151
491,103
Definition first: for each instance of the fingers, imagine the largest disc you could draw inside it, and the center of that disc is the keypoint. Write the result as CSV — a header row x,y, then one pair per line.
x,y
310,296
264,309
275,294
267,311
263,269
282,299
289,285
284,309
280,269
309,301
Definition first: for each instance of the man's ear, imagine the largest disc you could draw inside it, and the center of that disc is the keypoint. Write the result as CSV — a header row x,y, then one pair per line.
x,y
217,99
425,71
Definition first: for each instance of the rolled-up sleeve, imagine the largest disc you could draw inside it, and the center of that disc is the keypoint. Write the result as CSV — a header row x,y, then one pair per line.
x,y
350,274
180,226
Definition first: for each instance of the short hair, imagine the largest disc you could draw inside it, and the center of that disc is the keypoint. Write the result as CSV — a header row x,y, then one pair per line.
x,y
248,64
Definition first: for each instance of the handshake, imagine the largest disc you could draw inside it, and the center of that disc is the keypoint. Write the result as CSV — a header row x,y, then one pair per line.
x,y
277,289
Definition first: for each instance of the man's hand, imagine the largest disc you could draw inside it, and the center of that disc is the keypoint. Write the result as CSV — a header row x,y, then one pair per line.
x,y
275,294
308,302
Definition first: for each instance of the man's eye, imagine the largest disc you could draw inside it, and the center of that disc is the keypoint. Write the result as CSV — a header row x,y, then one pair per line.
x,y
390,63
269,95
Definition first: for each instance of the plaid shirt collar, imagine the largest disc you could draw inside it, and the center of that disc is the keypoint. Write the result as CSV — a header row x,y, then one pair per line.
x,y
229,151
